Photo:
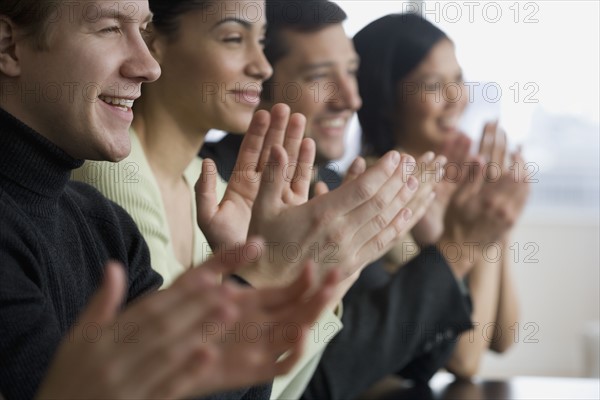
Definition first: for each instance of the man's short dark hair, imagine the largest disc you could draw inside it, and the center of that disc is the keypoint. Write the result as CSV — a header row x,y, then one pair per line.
x,y
298,16
32,16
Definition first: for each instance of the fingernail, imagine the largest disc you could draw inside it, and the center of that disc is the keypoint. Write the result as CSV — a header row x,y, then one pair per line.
x,y
406,214
395,158
355,168
408,159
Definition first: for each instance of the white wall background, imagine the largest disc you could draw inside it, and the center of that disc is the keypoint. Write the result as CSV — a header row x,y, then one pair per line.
x,y
559,294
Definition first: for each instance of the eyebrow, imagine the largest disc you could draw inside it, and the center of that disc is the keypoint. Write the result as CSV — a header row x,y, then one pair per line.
x,y
244,23
326,64
109,13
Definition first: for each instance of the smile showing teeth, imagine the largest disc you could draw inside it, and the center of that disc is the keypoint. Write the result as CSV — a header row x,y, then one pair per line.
x,y
333,123
125,104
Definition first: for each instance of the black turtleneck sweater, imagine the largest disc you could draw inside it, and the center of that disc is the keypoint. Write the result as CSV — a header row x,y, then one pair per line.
x,y
55,238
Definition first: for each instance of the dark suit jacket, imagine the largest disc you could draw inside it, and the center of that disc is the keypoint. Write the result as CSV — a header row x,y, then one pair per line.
x,y
405,323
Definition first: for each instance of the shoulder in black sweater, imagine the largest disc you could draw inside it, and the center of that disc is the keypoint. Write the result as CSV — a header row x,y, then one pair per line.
x,y
55,238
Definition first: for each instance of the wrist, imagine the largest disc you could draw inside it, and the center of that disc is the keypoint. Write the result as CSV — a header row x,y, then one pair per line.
x,y
459,255
266,276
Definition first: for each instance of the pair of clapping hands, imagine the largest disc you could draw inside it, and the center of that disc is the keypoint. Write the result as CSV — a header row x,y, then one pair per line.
x,y
267,196
478,200
174,356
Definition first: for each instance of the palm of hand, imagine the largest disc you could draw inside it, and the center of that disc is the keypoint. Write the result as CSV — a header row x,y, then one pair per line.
x,y
225,224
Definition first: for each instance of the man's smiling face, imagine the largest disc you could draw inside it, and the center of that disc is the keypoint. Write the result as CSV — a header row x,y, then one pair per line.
x,y
323,65
86,78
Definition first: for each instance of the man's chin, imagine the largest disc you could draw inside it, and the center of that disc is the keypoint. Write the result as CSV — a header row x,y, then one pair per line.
x,y
113,153
325,156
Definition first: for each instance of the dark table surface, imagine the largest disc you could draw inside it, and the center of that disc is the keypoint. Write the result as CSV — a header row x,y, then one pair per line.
x,y
443,386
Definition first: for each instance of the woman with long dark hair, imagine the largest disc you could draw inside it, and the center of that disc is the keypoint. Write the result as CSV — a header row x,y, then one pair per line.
x,y
413,97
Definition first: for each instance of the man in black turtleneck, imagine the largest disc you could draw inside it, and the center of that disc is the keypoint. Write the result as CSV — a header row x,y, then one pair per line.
x,y
55,235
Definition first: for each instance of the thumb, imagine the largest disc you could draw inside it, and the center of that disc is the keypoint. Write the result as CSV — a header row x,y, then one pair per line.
x,y
320,189
358,166
103,307
206,191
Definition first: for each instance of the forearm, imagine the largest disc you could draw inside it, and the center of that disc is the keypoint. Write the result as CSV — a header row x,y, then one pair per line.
x,y
508,306
484,283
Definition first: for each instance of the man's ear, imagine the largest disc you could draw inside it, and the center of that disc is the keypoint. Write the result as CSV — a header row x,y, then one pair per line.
x,y
9,62
156,43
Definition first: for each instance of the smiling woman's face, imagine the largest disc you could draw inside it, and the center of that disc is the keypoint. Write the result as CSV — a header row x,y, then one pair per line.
x,y
214,67
431,100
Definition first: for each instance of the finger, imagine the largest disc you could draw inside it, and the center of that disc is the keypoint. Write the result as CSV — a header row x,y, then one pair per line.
x,y
162,318
518,162
304,311
430,169
432,180
293,142
358,166
293,355
472,183
195,280
440,167
300,314
304,171
426,159
272,298
192,305
386,222
280,114
197,375
167,344
252,144
423,197
499,151
265,363
486,146
373,216
380,244
419,208
272,183
353,194
516,190
105,303
206,192
320,189
457,150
